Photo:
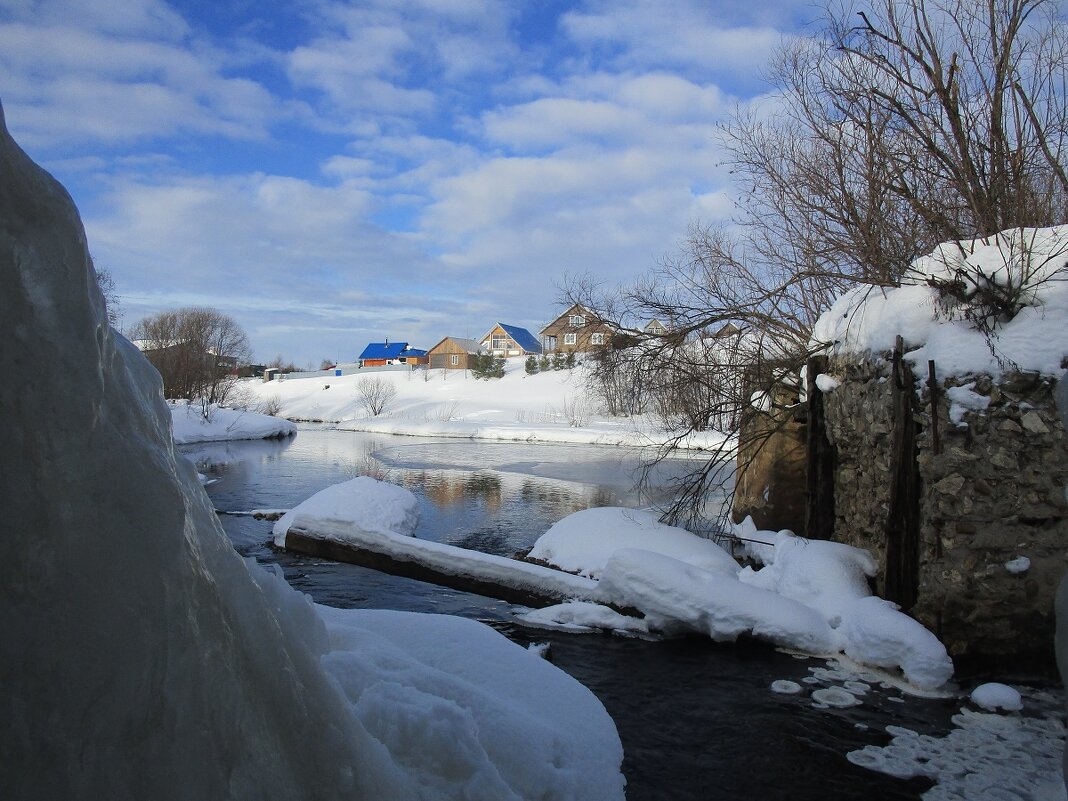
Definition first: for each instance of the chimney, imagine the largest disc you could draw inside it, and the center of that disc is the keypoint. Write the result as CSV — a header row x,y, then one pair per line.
x,y
387,342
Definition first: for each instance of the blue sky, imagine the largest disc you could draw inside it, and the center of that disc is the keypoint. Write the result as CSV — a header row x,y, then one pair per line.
x,y
333,173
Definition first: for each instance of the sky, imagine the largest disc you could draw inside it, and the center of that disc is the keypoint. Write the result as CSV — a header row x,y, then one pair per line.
x,y
335,173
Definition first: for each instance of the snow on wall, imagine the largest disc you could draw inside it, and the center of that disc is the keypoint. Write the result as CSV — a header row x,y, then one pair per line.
x,y
145,659
868,319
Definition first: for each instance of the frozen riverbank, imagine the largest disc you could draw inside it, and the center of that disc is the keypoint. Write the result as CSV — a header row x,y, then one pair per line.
x,y
552,406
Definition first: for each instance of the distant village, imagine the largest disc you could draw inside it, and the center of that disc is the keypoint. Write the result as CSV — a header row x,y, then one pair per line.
x,y
577,330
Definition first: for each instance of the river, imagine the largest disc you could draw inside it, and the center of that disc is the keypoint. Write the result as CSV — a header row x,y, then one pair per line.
x,y
698,719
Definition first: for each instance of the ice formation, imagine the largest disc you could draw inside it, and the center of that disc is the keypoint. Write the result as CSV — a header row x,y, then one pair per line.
x,y
145,659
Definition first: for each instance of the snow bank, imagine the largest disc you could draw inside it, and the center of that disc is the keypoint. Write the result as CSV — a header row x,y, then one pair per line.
x,y
153,662
189,425
469,714
868,319
547,407
828,576
810,595
673,595
363,503
874,632
584,541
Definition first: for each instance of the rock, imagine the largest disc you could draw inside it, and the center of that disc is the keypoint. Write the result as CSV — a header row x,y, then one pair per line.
x,y
950,485
1032,421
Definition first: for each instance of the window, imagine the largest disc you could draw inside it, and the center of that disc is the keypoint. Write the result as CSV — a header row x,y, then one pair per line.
x,y
454,359
576,321
499,343
596,339
570,339
548,343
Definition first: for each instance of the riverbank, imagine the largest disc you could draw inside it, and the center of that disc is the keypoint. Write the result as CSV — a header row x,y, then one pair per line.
x,y
552,406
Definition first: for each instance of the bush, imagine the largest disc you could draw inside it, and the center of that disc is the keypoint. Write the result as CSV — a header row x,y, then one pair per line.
x,y
375,394
531,365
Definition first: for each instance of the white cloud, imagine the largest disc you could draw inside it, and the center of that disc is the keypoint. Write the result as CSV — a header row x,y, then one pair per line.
x,y
683,34
67,85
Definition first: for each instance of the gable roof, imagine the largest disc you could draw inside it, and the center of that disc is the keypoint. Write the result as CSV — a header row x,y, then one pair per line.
x,y
467,344
412,353
383,350
522,337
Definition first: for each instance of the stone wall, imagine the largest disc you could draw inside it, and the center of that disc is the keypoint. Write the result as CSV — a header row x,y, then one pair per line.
x,y
993,489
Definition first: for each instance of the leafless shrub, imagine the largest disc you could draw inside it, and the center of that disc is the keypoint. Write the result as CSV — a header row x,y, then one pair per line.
x,y
375,394
271,405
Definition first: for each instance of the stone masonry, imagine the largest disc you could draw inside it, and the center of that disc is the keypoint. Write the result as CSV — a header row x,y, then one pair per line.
x,y
992,489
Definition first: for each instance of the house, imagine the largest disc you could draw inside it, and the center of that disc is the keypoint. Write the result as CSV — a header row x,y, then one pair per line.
x,y
381,354
510,340
655,328
579,330
454,353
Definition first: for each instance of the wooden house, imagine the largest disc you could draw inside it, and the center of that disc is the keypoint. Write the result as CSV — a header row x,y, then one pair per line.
x,y
454,353
578,330
382,354
510,340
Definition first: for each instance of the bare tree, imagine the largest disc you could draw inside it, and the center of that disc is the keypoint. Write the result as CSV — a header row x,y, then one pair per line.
x,y
375,394
196,350
106,282
912,123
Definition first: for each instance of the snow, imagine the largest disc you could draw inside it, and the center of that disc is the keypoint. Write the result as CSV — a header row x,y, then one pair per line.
x,y
583,542
985,756
963,399
154,662
993,696
826,383
551,406
1021,564
875,632
867,319
584,617
810,595
190,425
469,714
363,503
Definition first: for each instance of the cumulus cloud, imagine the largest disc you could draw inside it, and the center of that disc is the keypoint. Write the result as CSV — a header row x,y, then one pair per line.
x,y
410,168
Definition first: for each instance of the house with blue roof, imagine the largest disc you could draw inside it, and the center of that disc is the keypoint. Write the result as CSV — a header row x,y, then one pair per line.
x,y
382,354
510,340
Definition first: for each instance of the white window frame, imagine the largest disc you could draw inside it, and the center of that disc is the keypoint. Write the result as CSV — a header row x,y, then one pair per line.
x,y
454,359
576,321
597,338
570,339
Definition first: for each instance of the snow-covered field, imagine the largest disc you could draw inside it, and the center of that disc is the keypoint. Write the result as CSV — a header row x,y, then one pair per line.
x,y
552,406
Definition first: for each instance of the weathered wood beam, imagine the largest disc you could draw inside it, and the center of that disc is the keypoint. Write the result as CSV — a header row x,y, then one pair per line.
x,y
510,580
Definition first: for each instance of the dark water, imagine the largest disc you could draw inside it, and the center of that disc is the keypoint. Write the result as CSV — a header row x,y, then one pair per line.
x,y
697,719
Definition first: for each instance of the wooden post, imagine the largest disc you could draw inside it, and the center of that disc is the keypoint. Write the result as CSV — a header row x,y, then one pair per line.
x,y
819,475
932,390
903,518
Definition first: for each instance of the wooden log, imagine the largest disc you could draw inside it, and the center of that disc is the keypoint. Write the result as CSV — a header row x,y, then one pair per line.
x,y
511,580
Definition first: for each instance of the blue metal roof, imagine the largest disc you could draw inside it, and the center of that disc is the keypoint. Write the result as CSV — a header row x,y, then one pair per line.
x,y
523,338
411,353
383,350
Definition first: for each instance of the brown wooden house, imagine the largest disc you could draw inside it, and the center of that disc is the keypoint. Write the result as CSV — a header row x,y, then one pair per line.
x,y
454,353
579,330
510,340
